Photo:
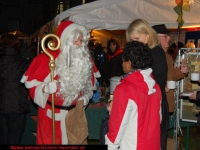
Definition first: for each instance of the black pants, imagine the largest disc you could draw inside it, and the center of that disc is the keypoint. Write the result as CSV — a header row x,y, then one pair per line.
x,y
164,125
11,128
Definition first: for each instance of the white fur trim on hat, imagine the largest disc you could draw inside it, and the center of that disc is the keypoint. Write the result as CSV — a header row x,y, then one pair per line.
x,y
68,30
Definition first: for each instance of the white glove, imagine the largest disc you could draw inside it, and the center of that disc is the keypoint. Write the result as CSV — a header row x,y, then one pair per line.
x,y
50,87
86,98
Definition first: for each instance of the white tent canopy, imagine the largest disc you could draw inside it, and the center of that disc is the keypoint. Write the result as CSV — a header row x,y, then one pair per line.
x,y
118,14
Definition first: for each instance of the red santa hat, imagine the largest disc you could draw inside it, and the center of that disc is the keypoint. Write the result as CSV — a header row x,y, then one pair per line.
x,y
65,28
62,26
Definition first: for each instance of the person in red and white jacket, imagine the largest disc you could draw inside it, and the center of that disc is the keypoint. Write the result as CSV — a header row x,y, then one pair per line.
x,y
74,80
135,112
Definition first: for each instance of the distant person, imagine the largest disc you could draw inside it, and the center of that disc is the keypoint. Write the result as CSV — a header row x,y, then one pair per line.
x,y
140,30
135,117
174,48
99,58
113,61
173,74
14,103
91,48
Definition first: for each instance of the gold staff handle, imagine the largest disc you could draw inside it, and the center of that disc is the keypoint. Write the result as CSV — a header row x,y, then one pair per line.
x,y
51,46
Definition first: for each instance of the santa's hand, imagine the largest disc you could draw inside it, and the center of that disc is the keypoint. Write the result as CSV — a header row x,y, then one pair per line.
x,y
85,98
50,87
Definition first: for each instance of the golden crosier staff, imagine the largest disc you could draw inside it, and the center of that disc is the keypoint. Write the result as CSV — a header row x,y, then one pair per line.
x,y
51,46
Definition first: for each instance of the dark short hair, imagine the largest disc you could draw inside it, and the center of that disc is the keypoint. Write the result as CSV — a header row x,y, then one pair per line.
x,y
112,41
9,40
139,54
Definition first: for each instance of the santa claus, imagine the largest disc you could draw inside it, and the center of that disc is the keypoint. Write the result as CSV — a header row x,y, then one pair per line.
x,y
74,81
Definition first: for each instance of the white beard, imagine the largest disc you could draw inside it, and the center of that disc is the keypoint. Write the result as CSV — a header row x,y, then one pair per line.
x,y
74,69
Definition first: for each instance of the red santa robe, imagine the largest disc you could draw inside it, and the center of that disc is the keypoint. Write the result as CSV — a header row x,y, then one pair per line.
x,y
37,75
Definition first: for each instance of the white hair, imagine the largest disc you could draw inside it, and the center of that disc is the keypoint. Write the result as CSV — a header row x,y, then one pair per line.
x,y
74,67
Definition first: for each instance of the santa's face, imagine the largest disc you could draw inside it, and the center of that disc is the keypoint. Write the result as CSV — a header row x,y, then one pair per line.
x,y
79,41
74,69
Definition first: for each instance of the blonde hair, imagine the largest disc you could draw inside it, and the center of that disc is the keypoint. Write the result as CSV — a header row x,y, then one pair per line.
x,y
141,26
